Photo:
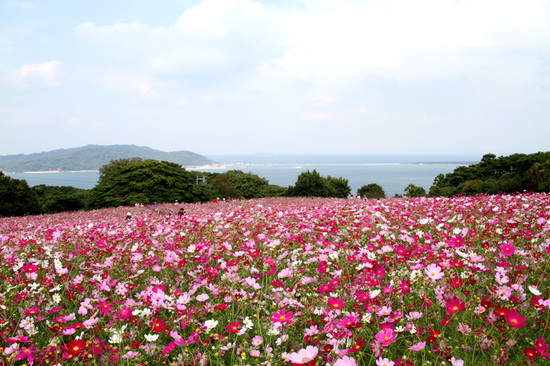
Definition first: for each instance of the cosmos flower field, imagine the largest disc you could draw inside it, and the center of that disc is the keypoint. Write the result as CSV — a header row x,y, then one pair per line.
x,y
282,281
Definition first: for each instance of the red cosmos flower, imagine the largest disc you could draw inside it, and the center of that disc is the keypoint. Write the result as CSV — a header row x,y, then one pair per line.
x,y
357,346
362,296
322,268
234,327
221,306
501,311
531,353
405,286
446,320
96,347
454,306
282,317
456,263
457,282
76,347
157,325
336,303
514,319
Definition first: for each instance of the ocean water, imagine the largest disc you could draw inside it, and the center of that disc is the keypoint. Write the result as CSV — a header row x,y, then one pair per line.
x,y
393,173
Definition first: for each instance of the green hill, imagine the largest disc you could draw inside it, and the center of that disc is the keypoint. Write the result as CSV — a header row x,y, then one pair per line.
x,y
92,157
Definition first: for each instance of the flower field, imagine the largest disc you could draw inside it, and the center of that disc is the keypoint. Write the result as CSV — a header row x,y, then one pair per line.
x,y
282,281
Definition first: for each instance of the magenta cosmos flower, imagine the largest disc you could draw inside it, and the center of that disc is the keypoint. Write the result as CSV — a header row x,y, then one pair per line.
x,y
282,317
514,319
386,336
336,303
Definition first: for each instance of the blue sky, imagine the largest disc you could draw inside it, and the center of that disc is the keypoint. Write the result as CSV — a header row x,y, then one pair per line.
x,y
305,76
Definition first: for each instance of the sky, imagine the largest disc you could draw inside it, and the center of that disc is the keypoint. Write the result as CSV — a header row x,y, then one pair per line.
x,y
220,77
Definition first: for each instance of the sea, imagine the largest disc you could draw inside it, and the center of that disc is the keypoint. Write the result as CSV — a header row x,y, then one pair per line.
x,y
392,172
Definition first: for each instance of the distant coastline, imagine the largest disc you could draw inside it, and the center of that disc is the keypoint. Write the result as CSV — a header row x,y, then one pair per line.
x,y
54,171
240,166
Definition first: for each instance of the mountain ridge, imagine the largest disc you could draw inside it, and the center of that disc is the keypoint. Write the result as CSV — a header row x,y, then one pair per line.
x,y
93,157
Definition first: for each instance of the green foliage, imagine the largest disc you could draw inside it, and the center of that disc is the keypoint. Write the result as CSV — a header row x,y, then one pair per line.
x,y
16,197
109,169
371,190
338,187
226,189
53,199
144,182
414,191
235,184
492,175
312,184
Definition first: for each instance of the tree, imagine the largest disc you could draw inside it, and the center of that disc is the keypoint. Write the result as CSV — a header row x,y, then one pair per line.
x,y
226,189
310,184
53,199
16,197
113,166
338,187
414,191
492,175
371,190
145,182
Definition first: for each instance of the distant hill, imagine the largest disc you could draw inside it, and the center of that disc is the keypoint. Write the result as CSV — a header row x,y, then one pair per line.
x,y
93,157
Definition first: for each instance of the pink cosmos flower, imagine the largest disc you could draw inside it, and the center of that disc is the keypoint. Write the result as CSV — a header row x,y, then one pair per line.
x,y
433,271
202,297
456,362
386,337
255,353
384,310
384,362
305,356
258,340
418,347
414,315
345,361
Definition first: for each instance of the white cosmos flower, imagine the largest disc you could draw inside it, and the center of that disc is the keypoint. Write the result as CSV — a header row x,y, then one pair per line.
x,y
151,337
210,324
374,293
534,290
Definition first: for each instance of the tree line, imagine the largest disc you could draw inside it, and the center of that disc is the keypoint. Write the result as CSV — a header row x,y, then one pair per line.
x,y
127,181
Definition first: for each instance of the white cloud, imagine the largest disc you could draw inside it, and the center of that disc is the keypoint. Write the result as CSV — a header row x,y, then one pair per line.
x,y
44,73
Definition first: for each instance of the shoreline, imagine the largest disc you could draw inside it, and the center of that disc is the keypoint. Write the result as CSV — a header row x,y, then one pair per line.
x,y
54,171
